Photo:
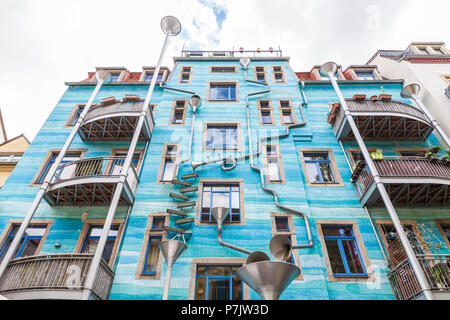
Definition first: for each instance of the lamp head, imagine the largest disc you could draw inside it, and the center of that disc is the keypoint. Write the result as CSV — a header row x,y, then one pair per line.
x,y
170,25
328,67
195,101
103,75
411,91
244,62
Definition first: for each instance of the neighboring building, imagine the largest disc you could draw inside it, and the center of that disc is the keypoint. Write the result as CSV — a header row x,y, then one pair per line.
x,y
308,164
11,150
424,63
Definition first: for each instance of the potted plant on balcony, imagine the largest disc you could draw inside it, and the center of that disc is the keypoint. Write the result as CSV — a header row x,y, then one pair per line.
x,y
377,155
432,153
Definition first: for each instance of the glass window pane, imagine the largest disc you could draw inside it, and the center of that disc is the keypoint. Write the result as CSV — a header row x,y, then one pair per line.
x,y
219,289
221,200
200,292
169,169
274,170
30,247
334,255
327,174
313,175
151,262
219,271
353,259
281,224
237,289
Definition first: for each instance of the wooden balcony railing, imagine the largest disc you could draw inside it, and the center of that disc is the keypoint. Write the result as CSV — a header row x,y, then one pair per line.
x,y
437,272
55,272
401,167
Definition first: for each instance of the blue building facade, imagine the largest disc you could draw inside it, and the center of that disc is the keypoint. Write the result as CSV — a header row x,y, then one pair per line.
x,y
311,166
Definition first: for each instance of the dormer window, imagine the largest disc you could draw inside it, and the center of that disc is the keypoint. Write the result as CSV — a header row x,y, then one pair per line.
x,y
149,76
433,49
365,75
115,76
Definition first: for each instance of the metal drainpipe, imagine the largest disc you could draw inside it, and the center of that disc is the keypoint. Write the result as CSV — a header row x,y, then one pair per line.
x,y
367,212
223,243
95,263
261,174
384,195
48,178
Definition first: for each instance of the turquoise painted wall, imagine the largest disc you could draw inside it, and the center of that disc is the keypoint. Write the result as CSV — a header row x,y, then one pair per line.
x,y
319,203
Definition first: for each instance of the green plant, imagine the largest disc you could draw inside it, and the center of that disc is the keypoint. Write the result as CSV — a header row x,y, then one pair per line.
x,y
377,155
440,274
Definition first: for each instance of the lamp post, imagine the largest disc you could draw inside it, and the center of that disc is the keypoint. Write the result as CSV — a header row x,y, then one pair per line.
x,y
412,92
329,69
102,78
171,27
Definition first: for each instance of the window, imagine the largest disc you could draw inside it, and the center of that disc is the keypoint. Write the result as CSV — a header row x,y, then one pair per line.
x,y
178,112
360,75
223,69
64,172
31,241
287,114
168,166
273,164
343,252
150,261
115,76
216,282
93,236
185,74
222,137
265,112
148,76
117,164
75,115
220,195
260,73
222,91
278,74
444,229
318,168
391,239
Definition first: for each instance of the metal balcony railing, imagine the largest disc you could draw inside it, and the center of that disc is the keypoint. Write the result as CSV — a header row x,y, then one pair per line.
x,y
437,272
230,53
53,275
91,181
401,167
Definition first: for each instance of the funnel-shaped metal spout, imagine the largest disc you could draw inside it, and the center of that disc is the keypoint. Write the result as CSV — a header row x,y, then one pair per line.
x,y
171,250
257,256
280,247
244,62
170,25
328,67
411,91
219,213
268,278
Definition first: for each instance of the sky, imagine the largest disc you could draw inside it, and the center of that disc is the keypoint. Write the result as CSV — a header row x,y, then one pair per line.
x,y
44,43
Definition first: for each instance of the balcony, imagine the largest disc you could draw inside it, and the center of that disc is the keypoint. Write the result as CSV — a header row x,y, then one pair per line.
x,y
91,182
230,53
381,120
116,121
409,181
437,271
56,276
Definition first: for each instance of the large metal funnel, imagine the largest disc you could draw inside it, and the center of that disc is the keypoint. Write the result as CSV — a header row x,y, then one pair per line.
x,y
171,250
257,256
410,91
219,213
245,62
280,247
268,278
328,67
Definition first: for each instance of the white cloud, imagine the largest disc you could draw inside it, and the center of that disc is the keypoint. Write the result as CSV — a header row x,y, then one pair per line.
x,y
47,42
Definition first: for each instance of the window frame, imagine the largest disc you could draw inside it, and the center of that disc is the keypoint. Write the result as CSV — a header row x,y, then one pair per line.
x,y
272,68
282,109
339,182
222,82
146,70
363,254
211,69
148,234
116,151
269,109
400,150
86,227
181,72
75,113
45,165
278,157
175,109
258,72
214,262
221,124
17,222
202,182
164,158
439,224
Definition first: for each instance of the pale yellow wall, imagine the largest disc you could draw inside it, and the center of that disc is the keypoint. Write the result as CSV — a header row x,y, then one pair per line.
x,y
5,171
15,146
